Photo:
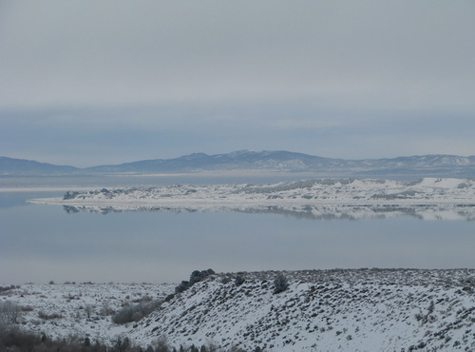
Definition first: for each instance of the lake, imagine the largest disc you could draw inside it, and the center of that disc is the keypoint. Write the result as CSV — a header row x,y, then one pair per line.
x,y
42,243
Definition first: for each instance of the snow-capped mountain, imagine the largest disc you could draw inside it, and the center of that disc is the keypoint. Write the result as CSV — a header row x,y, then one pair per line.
x,y
271,161
298,162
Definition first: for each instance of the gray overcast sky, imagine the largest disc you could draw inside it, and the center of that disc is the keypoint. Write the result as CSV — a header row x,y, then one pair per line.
x,y
101,82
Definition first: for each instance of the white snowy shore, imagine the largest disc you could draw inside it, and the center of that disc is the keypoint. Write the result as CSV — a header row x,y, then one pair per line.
x,y
322,310
428,198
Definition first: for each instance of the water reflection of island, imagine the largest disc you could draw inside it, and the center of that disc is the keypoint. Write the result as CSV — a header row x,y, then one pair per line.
x,y
309,212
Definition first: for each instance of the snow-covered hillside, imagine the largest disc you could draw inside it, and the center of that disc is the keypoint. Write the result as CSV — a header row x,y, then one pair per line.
x,y
321,310
428,198
76,309
345,310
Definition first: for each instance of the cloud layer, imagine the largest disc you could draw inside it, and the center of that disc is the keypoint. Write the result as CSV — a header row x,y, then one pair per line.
x,y
159,79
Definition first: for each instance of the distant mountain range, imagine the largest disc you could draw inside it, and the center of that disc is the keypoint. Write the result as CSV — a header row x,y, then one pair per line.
x,y
265,161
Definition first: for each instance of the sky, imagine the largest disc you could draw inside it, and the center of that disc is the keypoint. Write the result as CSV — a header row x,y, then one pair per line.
x,y
90,82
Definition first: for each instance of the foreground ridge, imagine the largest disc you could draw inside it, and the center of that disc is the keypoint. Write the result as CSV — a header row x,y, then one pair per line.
x,y
305,310
324,310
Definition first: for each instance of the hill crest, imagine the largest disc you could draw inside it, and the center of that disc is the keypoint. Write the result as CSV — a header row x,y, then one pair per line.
x,y
437,165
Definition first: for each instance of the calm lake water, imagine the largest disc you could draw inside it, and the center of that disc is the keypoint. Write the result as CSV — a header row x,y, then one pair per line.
x,y
39,243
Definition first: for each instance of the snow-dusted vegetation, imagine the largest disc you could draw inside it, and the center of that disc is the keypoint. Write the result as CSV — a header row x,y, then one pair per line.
x,y
75,309
428,198
315,310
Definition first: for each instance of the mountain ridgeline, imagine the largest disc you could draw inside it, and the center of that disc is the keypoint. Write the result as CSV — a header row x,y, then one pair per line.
x,y
264,161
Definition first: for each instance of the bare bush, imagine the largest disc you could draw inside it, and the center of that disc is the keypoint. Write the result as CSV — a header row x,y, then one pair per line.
x,y
280,283
136,312
106,309
161,344
5,289
46,316
10,312
196,276
17,340
240,279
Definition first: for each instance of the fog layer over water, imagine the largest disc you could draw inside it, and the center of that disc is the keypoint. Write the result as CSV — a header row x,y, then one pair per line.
x,y
40,243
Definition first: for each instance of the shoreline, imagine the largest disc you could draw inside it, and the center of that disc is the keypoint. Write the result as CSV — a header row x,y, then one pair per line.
x,y
42,189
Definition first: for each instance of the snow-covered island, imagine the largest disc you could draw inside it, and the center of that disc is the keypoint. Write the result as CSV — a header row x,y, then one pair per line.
x,y
428,198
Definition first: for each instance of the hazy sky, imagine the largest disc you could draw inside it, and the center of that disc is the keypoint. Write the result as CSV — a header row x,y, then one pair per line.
x,y
101,82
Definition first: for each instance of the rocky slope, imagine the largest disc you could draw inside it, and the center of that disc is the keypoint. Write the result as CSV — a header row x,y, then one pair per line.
x,y
317,310
345,310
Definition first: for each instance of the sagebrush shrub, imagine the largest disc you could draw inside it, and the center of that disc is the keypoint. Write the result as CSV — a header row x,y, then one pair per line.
x,y
280,283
